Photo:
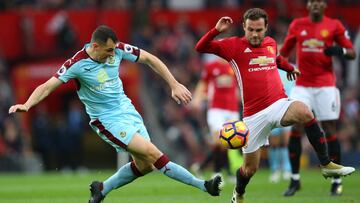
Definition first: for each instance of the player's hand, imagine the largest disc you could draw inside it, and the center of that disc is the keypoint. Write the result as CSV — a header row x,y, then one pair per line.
x,y
223,24
18,108
180,94
293,75
334,51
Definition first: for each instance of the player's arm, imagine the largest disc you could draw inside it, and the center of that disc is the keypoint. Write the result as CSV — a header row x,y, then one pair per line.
x,y
344,46
40,93
206,44
178,91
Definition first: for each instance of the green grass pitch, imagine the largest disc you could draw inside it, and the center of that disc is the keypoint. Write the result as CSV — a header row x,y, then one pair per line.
x,y
156,188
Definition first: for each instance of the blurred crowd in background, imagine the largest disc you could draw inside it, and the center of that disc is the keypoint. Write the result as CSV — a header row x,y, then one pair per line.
x,y
56,140
153,4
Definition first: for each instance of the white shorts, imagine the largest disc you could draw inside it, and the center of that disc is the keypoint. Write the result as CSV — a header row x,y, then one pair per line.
x,y
217,117
323,101
261,124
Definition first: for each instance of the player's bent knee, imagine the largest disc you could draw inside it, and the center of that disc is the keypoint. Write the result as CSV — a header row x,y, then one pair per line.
x,y
152,153
154,156
304,114
307,116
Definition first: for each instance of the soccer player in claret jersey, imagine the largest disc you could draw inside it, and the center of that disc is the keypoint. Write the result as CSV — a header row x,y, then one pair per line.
x,y
218,86
314,38
95,68
255,61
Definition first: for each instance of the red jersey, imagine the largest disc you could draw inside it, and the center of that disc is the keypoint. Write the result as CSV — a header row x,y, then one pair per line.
x,y
222,85
311,38
255,68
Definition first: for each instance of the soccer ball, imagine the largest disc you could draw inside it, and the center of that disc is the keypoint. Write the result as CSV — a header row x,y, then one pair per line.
x,y
234,134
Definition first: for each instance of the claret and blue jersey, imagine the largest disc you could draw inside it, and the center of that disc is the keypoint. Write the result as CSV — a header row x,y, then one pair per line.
x,y
99,85
100,88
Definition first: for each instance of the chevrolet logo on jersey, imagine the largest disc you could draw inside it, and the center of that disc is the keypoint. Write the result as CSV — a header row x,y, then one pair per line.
x,y
312,43
261,61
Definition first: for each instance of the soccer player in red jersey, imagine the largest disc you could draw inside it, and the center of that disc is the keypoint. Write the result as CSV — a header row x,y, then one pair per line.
x,y
314,38
255,62
219,87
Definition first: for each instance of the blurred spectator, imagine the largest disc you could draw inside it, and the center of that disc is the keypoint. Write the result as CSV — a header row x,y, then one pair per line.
x,y
60,27
27,32
43,137
71,133
186,4
142,31
354,65
12,152
115,4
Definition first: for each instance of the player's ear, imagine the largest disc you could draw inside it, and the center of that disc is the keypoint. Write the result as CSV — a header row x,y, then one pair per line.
x,y
243,24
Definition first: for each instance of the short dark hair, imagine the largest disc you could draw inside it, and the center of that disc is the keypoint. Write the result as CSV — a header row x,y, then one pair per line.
x,y
102,34
256,14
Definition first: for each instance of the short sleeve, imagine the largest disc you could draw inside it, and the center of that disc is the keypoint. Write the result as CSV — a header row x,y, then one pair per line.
x,y
67,71
129,52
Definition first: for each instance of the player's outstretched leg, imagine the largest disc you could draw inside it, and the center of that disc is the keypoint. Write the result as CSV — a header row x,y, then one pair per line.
x,y
179,173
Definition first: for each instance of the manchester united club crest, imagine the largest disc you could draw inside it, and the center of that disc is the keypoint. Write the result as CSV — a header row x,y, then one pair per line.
x,y
270,49
324,33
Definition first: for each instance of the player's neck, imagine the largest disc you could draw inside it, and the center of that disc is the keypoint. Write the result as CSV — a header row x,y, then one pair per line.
x,y
92,55
316,18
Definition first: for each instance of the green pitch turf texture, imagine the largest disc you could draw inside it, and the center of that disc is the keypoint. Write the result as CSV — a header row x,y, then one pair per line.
x,y
156,188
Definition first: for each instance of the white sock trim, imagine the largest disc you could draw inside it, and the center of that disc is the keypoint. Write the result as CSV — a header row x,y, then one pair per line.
x,y
336,180
295,176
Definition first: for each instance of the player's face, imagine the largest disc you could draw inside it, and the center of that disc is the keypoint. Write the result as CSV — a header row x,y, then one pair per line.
x,y
255,31
316,7
103,51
